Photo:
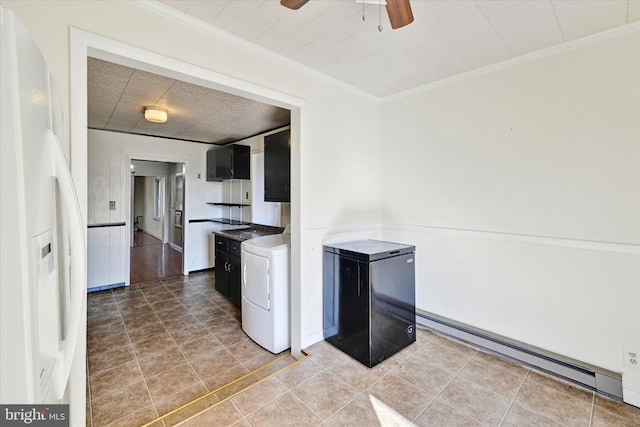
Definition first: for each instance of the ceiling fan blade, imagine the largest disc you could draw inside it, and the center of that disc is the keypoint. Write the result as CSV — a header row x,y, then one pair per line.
x,y
293,4
400,13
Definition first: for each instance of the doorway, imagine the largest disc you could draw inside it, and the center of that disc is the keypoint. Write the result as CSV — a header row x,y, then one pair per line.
x,y
156,212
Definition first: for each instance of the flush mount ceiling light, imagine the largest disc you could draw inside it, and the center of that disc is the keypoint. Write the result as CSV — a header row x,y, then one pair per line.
x,y
399,11
155,114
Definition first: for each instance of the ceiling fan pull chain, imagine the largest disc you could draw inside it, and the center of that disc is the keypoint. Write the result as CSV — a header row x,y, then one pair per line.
x,y
362,11
380,15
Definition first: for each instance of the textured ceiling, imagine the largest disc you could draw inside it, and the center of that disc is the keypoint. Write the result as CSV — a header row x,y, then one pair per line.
x,y
117,96
448,37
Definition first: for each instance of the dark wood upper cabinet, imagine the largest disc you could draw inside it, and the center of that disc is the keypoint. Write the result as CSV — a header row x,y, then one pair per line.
x,y
229,162
277,167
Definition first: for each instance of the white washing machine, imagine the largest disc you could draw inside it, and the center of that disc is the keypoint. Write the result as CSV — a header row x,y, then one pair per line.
x,y
265,291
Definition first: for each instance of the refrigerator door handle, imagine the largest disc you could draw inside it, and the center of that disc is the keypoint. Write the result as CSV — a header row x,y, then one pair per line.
x,y
77,278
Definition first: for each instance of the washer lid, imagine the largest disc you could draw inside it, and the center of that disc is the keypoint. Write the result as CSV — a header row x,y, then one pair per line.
x,y
270,241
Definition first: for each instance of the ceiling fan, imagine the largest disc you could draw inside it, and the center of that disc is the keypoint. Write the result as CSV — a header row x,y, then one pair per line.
x,y
399,11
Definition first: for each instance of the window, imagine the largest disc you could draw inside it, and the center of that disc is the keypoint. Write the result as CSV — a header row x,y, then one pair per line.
x,y
157,200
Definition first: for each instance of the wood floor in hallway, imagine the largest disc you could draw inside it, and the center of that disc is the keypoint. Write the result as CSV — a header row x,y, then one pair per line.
x,y
152,260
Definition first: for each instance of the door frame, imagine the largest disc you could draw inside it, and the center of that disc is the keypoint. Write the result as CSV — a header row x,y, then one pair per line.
x,y
83,44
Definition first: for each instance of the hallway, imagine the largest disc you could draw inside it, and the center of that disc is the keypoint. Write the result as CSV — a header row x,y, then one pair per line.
x,y
152,260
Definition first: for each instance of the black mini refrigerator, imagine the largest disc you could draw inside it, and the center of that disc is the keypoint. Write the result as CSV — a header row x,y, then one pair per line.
x,y
369,298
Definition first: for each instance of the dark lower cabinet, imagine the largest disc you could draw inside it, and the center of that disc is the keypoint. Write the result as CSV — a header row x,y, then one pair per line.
x,y
227,269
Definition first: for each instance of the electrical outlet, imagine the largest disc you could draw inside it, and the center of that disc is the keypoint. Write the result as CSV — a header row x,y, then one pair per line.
x,y
631,357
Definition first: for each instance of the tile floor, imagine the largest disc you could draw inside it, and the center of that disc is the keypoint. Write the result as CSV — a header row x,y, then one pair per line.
x,y
156,346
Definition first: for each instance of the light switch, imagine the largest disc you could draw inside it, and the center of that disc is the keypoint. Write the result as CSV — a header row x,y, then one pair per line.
x,y
112,205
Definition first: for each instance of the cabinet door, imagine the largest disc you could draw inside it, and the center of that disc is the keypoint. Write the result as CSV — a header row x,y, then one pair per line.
x,y
234,280
212,174
241,162
222,276
277,167
224,159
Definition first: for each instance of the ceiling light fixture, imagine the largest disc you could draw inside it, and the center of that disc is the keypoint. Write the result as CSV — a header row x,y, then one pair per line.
x,y
155,114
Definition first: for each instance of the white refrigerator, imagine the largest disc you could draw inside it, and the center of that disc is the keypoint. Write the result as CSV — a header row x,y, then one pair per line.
x,y
43,255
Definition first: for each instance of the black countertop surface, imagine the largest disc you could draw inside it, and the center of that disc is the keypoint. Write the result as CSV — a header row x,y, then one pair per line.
x,y
249,232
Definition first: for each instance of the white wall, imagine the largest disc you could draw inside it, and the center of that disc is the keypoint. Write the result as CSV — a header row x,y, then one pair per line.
x,y
520,189
121,148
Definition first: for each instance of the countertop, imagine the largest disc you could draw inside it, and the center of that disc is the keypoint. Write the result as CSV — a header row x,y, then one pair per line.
x,y
248,232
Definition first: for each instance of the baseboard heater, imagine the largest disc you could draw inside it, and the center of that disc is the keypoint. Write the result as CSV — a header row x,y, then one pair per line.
x,y
597,379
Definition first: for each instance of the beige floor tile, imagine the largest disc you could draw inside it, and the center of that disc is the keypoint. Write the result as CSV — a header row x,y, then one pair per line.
x,y
137,418
519,416
400,396
101,362
237,387
367,411
153,345
568,409
188,333
111,341
109,381
439,414
182,398
201,347
169,312
476,401
172,381
494,373
430,378
356,374
137,322
259,395
285,411
446,354
156,363
299,373
102,331
148,331
129,313
325,355
132,302
225,377
180,321
222,415
119,404
325,394
264,358
246,350
229,335
574,390
214,363
219,323
610,412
